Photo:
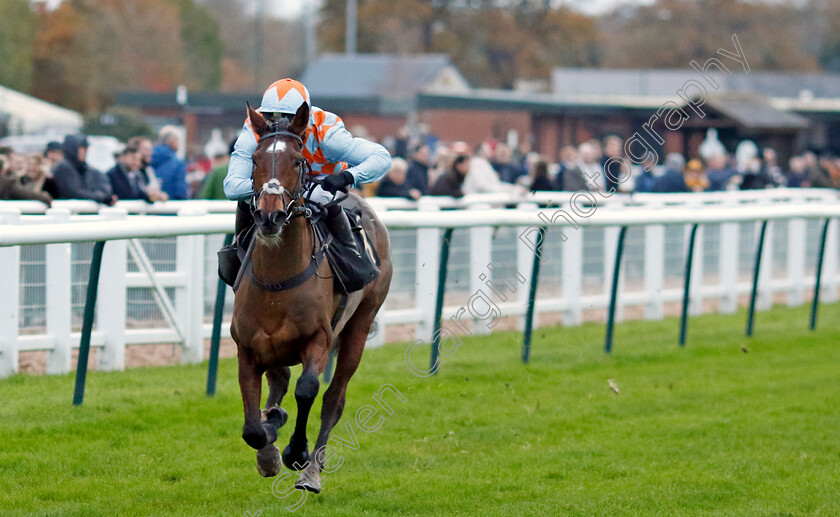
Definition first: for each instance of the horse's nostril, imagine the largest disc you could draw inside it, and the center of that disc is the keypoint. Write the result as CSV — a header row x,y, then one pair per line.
x,y
260,217
277,217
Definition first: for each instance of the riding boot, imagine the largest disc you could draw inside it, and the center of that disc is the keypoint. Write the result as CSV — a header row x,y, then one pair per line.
x,y
339,226
229,260
352,266
244,218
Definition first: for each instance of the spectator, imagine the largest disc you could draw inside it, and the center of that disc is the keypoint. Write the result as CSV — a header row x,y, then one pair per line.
x,y
10,186
720,175
540,180
819,173
568,160
674,162
38,178
17,165
440,164
394,184
53,154
213,186
508,170
596,144
401,143
586,174
754,172
690,179
171,170
695,178
73,177
645,179
672,180
481,177
797,175
770,164
832,165
418,172
612,149
125,176
151,184
450,183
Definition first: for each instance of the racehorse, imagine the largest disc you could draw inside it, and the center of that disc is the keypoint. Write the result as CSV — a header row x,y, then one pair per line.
x,y
287,310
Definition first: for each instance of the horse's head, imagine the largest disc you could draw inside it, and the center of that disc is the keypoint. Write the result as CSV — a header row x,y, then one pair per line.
x,y
279,169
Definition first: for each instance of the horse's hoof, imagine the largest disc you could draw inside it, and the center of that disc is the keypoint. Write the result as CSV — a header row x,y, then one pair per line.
x,y
268,461
275,416
295,461
309,482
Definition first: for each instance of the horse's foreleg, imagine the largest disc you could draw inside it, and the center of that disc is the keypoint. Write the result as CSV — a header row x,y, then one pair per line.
x,y
295,455
268,458
278,384
257,434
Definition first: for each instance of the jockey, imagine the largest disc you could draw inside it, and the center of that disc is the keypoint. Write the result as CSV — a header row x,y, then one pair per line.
x,y
336,157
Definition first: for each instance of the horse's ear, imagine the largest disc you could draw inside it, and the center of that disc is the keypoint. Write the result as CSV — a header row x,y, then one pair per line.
x,y
257,120
301,120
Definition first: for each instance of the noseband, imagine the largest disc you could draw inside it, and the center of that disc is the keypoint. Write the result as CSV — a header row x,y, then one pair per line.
x,y
273,186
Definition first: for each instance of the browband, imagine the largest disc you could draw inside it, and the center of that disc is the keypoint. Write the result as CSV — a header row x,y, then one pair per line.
x,y
283,133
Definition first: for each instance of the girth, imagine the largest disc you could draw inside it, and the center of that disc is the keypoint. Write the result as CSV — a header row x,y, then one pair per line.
x,y
290,283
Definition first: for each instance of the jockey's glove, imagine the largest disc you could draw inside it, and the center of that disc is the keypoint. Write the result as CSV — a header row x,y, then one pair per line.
x,y
335,182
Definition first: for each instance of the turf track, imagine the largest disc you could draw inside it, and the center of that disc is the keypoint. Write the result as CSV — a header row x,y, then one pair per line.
x,y
726,426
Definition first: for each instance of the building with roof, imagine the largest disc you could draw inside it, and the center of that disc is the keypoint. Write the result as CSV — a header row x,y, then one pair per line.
x,y
382,93
376,91
23,114
782,110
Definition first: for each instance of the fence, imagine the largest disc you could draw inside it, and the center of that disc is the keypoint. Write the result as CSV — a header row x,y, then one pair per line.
x,y
154,293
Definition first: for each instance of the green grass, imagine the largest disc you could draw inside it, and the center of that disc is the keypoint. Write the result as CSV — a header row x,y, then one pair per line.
x,y
705,430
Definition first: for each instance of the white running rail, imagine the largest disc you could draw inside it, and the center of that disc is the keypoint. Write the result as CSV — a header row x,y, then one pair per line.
x,y
44,268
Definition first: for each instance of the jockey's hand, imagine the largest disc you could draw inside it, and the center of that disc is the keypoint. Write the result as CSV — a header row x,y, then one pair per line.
x,y
335,182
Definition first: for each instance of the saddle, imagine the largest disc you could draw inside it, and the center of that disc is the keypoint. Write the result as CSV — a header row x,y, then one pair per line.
x,y
352,269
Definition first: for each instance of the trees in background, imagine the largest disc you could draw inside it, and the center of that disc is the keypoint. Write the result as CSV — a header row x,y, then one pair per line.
x,y
82,53
494,41
491,42
257,50
85,51
670,33
17,35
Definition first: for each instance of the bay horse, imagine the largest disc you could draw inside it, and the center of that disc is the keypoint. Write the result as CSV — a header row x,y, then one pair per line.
x,y
275,328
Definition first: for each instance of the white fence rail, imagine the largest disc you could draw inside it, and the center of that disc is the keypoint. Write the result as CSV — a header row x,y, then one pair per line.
x,y
499,200
158,273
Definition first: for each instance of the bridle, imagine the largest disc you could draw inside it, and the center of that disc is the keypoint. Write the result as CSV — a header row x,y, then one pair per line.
x,y
273,186
306,185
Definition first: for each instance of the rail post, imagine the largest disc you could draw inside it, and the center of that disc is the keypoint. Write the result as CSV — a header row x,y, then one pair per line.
x,y
216,335
689,261
619,251
532,297
756,270
818,283
87,323
441,291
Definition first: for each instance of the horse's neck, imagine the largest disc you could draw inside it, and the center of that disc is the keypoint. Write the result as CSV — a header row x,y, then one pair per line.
x,y
279,263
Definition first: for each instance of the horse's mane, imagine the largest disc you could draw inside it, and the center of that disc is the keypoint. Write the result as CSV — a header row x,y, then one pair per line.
x,y
281,124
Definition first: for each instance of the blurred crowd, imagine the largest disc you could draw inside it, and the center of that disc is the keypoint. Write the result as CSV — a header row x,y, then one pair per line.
x,y
455,169
152,171
143,170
